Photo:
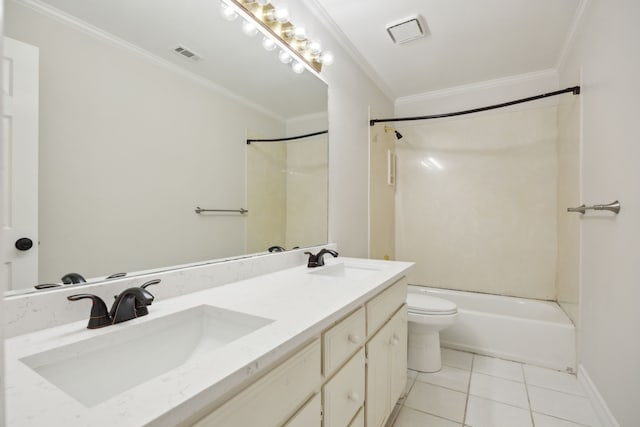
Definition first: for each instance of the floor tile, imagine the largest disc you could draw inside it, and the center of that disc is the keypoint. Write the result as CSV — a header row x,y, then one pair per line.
x,y
542,420
562,405
487,413
456,359
498,368
555,380
436,400
453,378
499,389
411,418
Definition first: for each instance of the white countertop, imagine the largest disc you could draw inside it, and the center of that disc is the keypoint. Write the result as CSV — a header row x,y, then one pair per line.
x,y
300,303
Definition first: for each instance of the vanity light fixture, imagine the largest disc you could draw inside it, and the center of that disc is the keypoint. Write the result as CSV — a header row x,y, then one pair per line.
x,y
249,28
284,57
269,44
273,22
228,13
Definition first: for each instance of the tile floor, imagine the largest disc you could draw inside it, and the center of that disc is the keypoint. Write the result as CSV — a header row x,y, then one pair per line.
x,y
480,391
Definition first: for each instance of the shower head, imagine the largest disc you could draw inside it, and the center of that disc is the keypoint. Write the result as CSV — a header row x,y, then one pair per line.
x,y
388,129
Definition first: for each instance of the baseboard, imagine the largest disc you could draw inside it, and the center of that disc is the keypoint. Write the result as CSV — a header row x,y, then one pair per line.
x,y
598,403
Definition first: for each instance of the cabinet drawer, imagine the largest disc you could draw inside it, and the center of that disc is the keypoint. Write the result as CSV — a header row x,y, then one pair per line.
x,y
382,307
358,421
273,398
343,340
310,415
344,394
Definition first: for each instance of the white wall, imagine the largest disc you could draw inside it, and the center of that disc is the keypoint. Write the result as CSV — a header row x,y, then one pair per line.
x,y
605,52
3,220
128,149
351,95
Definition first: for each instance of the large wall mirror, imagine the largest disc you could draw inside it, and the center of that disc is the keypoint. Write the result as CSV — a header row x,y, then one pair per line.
x,y
132,136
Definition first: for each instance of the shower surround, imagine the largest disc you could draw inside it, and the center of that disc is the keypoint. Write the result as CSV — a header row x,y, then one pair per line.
x,y
476,202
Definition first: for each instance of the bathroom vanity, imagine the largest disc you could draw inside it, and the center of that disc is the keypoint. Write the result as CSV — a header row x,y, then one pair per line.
x,y
297,347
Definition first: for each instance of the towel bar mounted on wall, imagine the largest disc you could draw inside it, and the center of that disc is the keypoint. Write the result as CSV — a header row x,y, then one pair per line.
x,y
241,211
612,207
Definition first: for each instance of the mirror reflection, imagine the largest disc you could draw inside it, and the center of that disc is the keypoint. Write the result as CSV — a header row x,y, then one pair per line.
x,y
121,138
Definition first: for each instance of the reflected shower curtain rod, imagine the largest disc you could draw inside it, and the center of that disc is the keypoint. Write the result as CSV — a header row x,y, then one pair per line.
x,y
575,90
291,138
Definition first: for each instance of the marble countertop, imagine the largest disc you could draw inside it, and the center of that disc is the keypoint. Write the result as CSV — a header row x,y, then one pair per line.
x,y
300,302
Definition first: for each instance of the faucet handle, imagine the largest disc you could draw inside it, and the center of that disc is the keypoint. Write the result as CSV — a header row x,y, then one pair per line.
x,y
141,309
150,283
72,278
99,316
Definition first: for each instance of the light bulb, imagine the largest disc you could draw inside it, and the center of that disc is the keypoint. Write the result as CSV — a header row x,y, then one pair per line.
x,y
284,57
269,44
297,67
263,2
326,58
282,15
227,12
314,47
300,33
249,28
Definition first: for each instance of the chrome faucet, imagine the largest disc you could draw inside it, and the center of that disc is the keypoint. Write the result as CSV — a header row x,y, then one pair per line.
x,y
131,303
317,260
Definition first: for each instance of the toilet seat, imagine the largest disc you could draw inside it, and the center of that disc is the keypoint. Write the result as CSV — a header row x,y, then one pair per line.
x,y
425,304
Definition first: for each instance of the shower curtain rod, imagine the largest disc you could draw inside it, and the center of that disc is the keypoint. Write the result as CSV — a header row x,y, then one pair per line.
x,y
291,138
575,90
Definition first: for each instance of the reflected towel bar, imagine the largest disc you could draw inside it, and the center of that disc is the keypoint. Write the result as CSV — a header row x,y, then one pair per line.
x,y
612,207
241,211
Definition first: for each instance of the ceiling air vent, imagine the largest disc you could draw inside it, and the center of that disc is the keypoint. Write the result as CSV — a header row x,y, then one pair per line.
x,y
406,29
186,52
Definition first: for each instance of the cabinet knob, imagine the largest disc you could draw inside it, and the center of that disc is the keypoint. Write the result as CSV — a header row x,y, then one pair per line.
x,y
355,339
353,396
395,340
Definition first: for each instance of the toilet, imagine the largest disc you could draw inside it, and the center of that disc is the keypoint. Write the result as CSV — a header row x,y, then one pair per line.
x,y
427,316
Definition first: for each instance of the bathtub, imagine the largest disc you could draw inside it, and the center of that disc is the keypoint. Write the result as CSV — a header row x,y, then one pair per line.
x,y
524,330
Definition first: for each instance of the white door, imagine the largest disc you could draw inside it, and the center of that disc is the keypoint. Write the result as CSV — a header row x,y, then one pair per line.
x,y
19,244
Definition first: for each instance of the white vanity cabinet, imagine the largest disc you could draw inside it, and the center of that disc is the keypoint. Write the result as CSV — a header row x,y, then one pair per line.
x,y
351,376
386,351
386,369
274,398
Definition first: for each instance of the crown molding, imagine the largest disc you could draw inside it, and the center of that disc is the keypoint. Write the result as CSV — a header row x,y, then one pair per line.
x,y
115,41
473,87
325,19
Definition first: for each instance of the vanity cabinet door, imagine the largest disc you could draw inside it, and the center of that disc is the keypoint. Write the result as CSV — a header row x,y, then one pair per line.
x,y
344,393
310,415
386,369
398,354
358,421
271,400
378,379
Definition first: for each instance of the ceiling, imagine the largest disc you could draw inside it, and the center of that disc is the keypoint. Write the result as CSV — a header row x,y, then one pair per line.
x,y
468,41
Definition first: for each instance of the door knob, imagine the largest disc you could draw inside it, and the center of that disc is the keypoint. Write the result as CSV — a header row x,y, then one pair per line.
x,y
24,244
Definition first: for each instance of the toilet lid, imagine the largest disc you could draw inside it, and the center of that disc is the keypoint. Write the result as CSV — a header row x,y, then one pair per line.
x,y
425,304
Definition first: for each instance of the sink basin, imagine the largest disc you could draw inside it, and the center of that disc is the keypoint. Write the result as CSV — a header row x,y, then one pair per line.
x,y
354,271
96,369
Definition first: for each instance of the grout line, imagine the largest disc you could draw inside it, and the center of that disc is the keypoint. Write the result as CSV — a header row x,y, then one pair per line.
x,y
466,402
526,389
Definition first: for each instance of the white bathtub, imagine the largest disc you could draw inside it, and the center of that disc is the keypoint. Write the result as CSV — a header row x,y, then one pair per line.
x,y
524,330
